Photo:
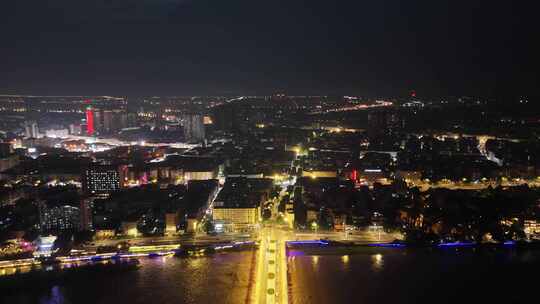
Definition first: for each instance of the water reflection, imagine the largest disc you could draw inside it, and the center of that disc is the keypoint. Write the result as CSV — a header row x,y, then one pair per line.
x,y
55,297
315,260
212,279
378,262
373,277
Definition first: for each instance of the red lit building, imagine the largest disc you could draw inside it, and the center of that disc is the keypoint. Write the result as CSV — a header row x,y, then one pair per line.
x,y
89,121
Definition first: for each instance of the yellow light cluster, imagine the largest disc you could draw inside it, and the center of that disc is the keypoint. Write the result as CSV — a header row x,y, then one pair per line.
x,y
153,248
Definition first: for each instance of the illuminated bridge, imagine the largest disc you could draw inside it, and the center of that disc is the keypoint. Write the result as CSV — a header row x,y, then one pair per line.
x,y
271,279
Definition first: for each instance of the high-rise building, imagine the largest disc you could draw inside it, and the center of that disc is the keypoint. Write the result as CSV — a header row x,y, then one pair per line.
x,y
31,129
86,207
383,124
108,121
158,121
131,120
5,149
238,204
8,159
75,129
231,117
9,162
103,115
101,179
57,133
101,120
121,121
90,122
59,218
194,128
98,120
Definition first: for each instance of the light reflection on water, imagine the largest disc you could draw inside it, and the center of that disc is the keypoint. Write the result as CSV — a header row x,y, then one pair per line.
x,y
415,276
391,276
220,278
56,297
378,262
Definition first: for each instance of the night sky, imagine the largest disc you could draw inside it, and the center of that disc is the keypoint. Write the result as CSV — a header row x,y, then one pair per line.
x,y
185,47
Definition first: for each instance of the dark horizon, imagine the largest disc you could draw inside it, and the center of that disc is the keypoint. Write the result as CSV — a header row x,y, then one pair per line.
x,y
204,47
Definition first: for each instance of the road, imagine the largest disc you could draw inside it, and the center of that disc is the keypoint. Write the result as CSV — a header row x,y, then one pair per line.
x,y
271,284
424,186
271,279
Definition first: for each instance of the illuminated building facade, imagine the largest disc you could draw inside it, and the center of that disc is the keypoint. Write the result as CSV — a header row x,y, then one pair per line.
x,y
531,227
105,120
383,124
57,133
104,234
319,173
171,222
75,129
89,122
31,129
86,214
129,229
237,218
238,205
98,120
44,245
194,128
59,218
101,179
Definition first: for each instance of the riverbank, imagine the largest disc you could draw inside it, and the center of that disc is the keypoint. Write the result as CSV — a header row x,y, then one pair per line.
x,y
322,247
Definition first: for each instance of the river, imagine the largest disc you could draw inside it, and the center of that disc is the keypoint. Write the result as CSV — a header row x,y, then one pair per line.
x,y
386,275
371,275
219,278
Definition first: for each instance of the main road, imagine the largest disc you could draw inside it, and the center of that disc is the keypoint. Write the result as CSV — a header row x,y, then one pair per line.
x,y
271,280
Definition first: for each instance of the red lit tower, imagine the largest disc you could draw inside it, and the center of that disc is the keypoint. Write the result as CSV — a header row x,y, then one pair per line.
x,y
89,119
